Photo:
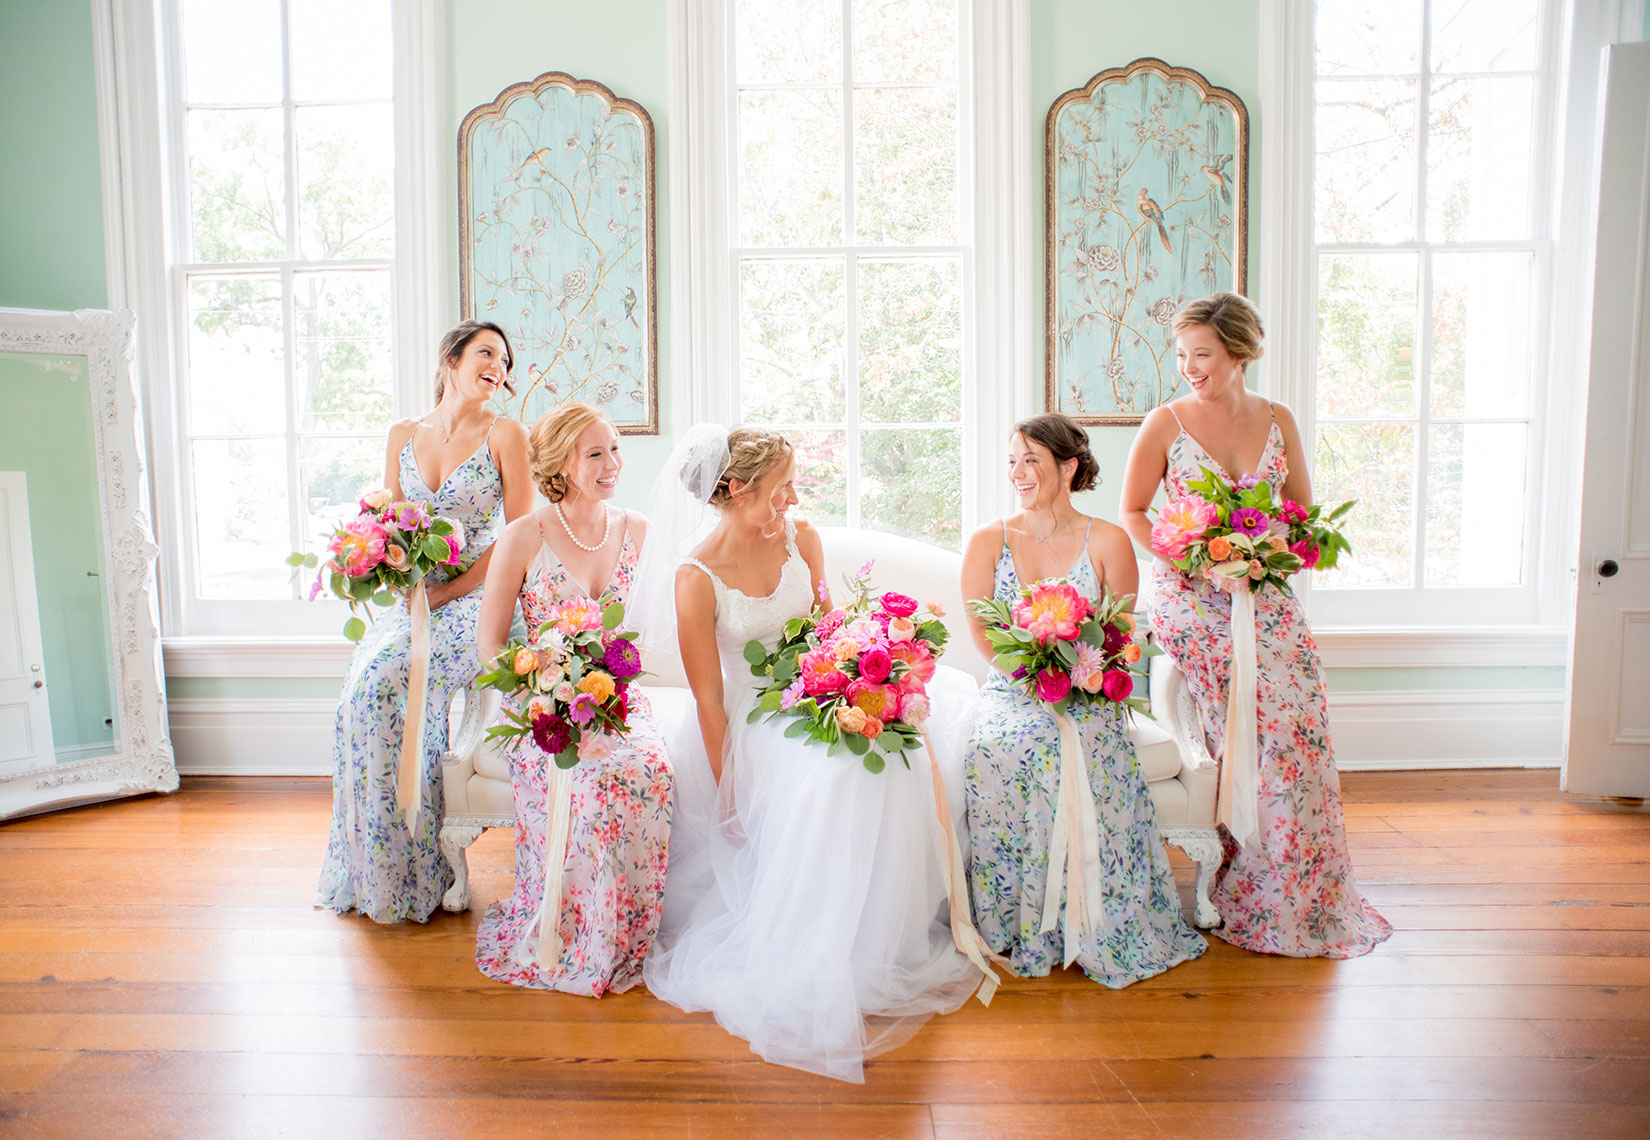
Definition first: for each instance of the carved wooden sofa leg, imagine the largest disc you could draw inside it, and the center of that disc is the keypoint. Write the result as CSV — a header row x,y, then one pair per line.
x,y
454,839
1202,845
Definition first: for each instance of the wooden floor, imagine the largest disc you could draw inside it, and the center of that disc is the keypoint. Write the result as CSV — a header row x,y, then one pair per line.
x,y
163,974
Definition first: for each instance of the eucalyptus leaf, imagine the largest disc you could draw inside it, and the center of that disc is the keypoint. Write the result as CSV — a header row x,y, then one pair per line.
x,y
567,758
613,615
874,763
355,629
383,598
756,653
856,743
296,559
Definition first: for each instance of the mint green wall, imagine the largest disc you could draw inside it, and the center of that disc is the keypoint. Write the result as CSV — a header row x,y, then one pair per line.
x,y
47,434
494,43
51,199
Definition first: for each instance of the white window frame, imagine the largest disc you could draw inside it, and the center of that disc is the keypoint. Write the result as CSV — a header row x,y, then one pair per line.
x,y
999,162
145,229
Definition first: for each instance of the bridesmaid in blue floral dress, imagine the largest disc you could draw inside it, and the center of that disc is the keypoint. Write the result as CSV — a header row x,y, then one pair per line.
x,y
613,879
477,464
1013,762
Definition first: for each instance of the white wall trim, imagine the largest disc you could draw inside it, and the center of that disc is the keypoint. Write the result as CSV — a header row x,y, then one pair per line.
x,y
253,736
423,229
1447,729
1006,382
1467,647
314,657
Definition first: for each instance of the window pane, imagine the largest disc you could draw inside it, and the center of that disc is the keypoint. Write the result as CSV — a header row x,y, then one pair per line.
x,y
1484,35
1475,504
232,52
911,484
790,169
335,472
1368,37
1367,308
1374,464
1481,321
341,51
346,201
241,529
343,365
904,41
910,340
237,359
1481,136
821,476
1366,160
787,41
237,185
791,329
905,165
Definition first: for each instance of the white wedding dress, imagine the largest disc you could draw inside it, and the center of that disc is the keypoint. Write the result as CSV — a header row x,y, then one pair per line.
x,y
803,898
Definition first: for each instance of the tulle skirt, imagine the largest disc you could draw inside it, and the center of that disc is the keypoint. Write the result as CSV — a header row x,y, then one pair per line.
x,y
804,896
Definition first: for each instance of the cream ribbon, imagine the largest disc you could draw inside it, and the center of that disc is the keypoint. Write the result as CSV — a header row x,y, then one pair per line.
x,y
967,939
409,765
1074,848
558,812
1239,755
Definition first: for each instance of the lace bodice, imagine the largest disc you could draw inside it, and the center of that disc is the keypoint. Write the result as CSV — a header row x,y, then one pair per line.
x,y
741,618
472,496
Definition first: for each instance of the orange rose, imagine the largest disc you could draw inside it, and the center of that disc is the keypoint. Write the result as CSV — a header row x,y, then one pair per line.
x,y
872,729
851,719
1131,653
597,684
1220,548
524,662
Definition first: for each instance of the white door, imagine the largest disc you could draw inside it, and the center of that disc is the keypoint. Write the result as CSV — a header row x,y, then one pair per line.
x,y
25,719
1607,747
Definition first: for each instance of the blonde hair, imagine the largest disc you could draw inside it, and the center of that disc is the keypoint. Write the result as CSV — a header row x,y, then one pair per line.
x,y
1233,320
452,346
752,453
551,442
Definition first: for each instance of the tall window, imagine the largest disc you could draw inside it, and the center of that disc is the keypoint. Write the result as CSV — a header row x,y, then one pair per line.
x,y
850,251
1431,184
282,270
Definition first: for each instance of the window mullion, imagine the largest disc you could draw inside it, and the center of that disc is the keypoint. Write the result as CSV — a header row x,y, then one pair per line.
x,y
850,276
1423,393
289,301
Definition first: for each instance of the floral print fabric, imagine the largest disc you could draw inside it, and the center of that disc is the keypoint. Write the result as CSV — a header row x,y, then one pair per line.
x,y
1296,894
614,879
1013,770
374,864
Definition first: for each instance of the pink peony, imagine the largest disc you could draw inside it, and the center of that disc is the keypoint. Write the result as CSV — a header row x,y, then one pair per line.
x,y
917,655
1052,611
1118,685
1053,685
915,709
1180,524
360,547
819,675
875,664
899,605
874,700
576,615
829,624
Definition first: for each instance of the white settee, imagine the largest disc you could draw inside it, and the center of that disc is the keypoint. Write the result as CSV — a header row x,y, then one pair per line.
x,y
1180,775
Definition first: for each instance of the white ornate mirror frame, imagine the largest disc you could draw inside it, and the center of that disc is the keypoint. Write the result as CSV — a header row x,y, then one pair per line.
x,y
142,760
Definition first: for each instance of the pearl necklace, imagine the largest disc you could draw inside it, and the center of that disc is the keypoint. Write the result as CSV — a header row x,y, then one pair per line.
x,y
607,529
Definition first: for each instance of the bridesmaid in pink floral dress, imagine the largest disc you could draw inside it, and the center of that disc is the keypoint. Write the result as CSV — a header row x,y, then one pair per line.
x,y
614,876
1295,892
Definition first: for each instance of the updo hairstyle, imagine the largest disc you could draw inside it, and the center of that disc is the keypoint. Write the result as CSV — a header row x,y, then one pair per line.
x,y
752,453
1233,320
1064,440
551,442
452,346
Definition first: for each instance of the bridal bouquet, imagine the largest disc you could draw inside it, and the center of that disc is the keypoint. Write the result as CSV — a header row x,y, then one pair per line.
x,y
1235,531
1063,648
574,675
853,677
382,552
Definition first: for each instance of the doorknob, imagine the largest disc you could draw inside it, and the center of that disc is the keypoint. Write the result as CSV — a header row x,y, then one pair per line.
x,y
40,684
1607,568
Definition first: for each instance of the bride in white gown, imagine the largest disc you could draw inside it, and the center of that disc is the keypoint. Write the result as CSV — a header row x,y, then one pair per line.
x,y
803,895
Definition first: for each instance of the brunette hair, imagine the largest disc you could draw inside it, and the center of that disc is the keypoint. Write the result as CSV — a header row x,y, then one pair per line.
x,y
1065,439
452,346
550,444
1231,317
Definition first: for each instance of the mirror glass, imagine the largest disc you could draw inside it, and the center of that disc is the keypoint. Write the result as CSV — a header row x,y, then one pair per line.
x,y
57,702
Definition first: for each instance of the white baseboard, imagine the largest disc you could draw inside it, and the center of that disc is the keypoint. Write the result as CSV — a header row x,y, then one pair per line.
x,y
1372,731
1458,728
70,753
238,736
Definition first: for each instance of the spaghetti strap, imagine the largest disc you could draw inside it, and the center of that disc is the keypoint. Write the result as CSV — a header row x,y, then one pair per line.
x,y
1273,408
1176,416
489,436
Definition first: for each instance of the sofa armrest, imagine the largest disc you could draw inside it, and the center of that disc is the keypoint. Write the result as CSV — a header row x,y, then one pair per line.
x,y
1176,710
458,762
